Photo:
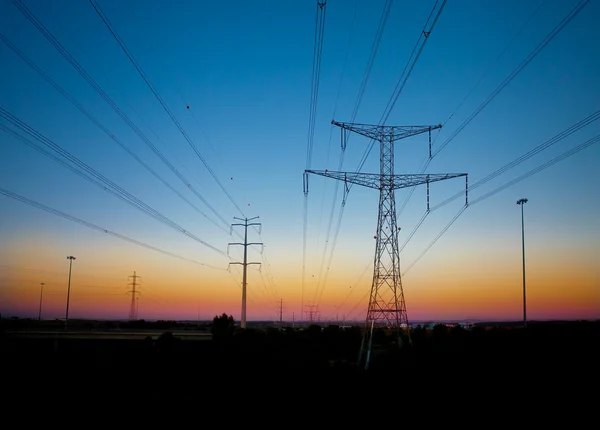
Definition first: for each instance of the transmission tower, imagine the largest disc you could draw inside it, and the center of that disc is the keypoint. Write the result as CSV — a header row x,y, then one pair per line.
x,y
387,309
312,313
133,307
245,264
281,312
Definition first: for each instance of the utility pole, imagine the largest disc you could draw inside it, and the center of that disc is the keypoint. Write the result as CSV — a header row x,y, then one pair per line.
x,y
245,263
41,295
133,291
70,258
521,202
387,309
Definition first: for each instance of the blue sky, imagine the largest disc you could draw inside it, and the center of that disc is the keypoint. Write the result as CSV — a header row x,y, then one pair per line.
x,y
244,70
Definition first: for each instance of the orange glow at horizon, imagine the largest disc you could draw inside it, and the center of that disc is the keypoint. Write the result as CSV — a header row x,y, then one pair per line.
x,y
469,284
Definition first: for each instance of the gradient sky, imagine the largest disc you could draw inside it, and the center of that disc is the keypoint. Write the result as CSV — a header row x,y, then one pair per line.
x,y
244,69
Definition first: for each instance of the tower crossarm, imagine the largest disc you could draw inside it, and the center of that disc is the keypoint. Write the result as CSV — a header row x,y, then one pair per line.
x,y
379,132
378,181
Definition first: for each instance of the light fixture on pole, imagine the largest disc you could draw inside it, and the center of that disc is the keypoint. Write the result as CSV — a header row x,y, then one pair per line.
x,y
41,295
521,202
71,258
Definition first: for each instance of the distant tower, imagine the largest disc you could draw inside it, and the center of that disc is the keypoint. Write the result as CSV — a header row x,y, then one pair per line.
x,y
133,308
312,313
386,309
281,312
41,296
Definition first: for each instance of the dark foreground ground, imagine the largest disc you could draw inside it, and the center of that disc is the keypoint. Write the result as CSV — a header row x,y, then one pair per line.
x,y
504,367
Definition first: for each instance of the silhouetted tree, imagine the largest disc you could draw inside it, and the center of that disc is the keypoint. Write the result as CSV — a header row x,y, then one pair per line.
x,y
440,332
165,341
223,326
314,331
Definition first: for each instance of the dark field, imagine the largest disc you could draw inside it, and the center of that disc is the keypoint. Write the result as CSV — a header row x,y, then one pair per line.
x,y
555,360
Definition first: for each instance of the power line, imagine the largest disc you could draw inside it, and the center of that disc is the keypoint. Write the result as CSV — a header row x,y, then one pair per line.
x,y
65,94
267,265
160,100
342,74
331,213
572,14
440,234
352,287
399,86
43,207
359,303
406,72
364,81
545,145
316,75
538,169
421,41
524,176
58,46
333,116
328,266
490,67
506,81
92,175
373,53
314,92
586,121
208,140
412,233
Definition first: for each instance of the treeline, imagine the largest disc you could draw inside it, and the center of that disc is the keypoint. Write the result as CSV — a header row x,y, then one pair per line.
x,y
90,325
576,343
444,357
538,346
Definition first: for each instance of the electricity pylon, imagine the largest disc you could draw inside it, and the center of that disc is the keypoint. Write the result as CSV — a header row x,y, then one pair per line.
x,y
133,308
245,263
387,308
281,312
312,313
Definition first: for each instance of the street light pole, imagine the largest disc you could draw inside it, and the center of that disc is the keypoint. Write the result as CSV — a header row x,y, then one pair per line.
x,y
521,202
41,295
71,258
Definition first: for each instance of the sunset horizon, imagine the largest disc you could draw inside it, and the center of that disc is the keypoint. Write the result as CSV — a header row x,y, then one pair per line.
x,y
137,139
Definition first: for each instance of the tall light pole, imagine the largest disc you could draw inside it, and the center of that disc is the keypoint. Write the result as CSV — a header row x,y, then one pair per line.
x,y
521,202
70,258
41,295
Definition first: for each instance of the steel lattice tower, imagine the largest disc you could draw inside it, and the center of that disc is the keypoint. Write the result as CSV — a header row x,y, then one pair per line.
x,y
387,308
133,308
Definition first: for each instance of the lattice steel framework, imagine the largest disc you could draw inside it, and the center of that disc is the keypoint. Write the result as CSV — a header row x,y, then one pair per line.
x,y
133,314
387,308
